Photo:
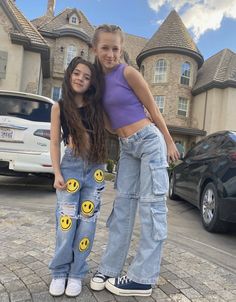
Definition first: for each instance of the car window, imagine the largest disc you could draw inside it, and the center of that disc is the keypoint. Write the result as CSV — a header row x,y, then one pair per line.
x,y
207,145
232,136
230,141
29,109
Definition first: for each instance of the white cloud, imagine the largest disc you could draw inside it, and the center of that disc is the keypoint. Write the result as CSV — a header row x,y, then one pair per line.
x,y
199,15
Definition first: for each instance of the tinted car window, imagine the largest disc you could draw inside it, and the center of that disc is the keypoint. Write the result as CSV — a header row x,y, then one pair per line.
x,y
29,109
206,146
233,136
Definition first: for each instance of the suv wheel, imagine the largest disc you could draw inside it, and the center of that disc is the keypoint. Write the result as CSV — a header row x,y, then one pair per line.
x,y
172,194
210,210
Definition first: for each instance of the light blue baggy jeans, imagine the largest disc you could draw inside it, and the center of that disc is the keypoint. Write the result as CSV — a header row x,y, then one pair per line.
x,y
142,181
76,214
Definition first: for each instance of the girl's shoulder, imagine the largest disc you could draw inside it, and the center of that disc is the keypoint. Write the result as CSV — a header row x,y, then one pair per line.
x,y
56,108
130,71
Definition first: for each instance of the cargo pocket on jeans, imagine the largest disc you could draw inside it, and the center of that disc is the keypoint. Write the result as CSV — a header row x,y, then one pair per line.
x,y
160,179
116,177
159,224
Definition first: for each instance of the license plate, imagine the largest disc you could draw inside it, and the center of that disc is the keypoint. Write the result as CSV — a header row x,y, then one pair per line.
x,y
6,134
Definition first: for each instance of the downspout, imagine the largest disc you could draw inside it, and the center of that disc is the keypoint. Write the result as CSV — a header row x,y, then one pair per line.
x,y
205,109
40,84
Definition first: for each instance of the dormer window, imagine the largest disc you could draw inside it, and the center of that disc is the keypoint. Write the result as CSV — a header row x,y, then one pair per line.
x,y
74,19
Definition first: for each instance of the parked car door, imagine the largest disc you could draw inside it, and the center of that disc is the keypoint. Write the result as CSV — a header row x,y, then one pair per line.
x,y
197,163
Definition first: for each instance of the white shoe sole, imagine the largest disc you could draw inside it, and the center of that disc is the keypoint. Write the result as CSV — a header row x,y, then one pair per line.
x,y
124,292
97,285
56,295
72,295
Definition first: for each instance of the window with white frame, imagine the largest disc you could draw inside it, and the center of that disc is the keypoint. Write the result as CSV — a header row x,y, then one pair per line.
x,y
185,73
71,53
183,107
160,73
56,93
74,19
160,101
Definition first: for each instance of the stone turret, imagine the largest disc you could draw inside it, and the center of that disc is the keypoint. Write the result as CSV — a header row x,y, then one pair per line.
x,y
169,62
172,37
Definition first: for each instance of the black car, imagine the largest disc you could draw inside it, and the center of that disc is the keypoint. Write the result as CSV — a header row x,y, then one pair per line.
x,y
206,177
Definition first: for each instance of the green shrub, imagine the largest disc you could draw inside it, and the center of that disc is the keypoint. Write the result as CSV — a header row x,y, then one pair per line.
x,y
110,165
171,167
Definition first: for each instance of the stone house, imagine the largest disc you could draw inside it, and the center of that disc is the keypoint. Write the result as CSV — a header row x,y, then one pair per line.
x,y
24,53
195,97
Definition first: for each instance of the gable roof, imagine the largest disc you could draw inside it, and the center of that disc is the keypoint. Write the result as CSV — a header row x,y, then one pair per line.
x,y
22,27
133,46
40,21
59,25
24,33
219,71
172,36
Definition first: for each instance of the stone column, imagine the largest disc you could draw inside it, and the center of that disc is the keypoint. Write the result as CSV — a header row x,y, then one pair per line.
x,y
51,7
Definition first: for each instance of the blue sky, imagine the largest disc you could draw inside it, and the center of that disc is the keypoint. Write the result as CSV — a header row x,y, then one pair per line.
x,y
212,23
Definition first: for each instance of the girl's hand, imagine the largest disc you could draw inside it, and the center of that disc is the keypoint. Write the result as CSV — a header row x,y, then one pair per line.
x,y
148,115
172,152
59,182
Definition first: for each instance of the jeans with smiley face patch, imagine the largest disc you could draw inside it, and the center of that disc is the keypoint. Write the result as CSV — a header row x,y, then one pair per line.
x,y
142,182
76,214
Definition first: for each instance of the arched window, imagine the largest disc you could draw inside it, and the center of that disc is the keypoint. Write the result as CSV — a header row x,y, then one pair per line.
x,y
185,73
160,73
71,53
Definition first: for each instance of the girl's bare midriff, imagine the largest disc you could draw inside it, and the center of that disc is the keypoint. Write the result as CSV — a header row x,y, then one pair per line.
x,y
132,128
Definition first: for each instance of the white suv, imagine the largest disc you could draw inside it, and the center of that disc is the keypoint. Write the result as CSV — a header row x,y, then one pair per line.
x,y
25,134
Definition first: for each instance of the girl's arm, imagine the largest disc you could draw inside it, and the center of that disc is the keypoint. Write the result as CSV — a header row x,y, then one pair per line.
x,y
141,89
55,146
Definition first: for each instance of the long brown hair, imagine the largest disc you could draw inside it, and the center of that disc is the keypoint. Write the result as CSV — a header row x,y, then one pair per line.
x,y
91,149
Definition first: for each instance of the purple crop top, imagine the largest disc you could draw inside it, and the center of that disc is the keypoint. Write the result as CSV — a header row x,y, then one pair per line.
x,y
120,102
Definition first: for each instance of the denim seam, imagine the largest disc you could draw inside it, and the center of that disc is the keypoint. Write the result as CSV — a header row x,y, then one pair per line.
x,y
142,281
80,276
59,276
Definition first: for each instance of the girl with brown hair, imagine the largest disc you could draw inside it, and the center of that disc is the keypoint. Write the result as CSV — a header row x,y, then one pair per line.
x,y
79,176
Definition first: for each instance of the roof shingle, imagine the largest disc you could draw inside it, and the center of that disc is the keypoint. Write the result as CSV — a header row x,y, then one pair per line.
x,y
217,71
24,27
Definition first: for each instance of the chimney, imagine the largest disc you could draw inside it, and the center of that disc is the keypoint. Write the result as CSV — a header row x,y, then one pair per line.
x,y
51,8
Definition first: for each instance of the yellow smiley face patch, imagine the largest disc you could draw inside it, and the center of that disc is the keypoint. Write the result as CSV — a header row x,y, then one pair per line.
x,y
72,185
98,175
84,244
87,208
65,223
